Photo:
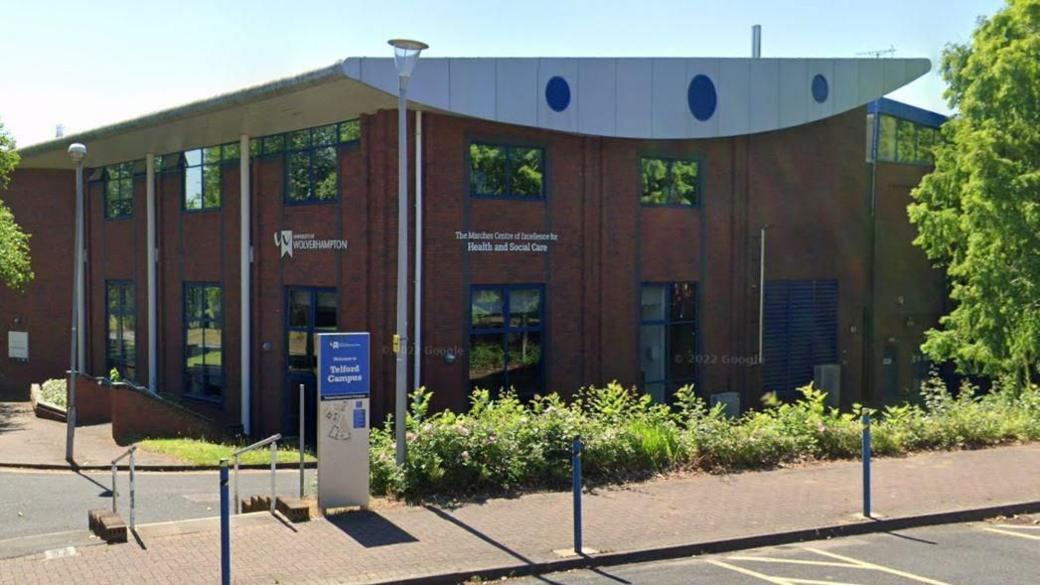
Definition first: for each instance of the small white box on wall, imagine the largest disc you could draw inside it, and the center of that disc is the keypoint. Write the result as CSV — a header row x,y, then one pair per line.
x,y
18,345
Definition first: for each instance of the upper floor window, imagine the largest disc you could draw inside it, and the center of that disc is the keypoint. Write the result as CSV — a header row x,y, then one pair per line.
x,y
119,190
203,340
311,164
120,346
506,171
903,141
667,181
204,175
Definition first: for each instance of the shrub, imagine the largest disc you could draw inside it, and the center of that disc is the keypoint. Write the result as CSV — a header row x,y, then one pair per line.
x,y
54,392
502,444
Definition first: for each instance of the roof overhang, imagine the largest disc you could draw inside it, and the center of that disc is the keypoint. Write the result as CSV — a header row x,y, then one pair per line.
x,y
651,98
318,97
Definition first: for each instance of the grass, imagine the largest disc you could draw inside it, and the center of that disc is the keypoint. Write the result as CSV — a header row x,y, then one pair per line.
x,y
201,452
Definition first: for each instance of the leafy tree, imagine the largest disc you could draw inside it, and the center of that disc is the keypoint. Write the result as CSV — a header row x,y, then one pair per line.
x,y
978,213
15,267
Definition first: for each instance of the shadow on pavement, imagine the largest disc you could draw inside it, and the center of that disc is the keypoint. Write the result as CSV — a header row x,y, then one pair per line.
x,y
12,416
446,516
370,529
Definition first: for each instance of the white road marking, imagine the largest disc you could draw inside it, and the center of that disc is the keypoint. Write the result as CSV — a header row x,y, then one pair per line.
x,y
1010,533
880,568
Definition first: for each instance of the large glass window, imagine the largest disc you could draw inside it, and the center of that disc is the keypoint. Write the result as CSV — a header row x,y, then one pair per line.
x,y
669,181
121,319
506,339
667,338
506,171
311,173
119,190
204,340
204,176
903,141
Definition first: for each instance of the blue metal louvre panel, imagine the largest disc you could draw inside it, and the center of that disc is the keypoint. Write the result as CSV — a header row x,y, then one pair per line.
x,y
801,317
825,326
774,337
800,331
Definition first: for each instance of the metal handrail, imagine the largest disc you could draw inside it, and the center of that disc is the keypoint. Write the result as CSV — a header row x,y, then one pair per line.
x,y
273,441
115,490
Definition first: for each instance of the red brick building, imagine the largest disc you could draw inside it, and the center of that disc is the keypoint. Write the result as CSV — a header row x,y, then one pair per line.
x,y
581,221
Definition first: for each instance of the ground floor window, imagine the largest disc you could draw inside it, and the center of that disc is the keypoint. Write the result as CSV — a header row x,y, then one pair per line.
x,y
800,332
667,337
203,340
121,318
507,338
310,311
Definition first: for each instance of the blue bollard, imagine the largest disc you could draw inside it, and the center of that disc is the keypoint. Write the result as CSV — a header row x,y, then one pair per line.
x,y
225,526
576,475
866,465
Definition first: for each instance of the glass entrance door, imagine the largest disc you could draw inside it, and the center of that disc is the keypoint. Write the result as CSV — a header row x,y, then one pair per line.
x,y
308,311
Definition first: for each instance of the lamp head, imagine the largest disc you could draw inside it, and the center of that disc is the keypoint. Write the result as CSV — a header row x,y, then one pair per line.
x,y
77,152
406,53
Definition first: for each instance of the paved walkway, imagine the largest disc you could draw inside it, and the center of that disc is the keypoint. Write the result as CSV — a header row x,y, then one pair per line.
x,y
26,440
394,541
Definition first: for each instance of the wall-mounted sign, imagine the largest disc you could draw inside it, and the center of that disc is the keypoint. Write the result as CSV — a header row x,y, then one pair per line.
x,y
289,242
517,242
18,345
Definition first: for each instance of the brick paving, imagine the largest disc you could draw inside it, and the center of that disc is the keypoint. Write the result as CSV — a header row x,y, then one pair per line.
x,y
395,541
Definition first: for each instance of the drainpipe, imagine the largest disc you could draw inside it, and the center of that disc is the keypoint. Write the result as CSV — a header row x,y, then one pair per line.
x,y
153,360
245,256
417,331
761,290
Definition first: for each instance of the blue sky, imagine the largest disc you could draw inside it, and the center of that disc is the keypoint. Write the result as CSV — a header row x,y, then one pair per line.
x,y
86,64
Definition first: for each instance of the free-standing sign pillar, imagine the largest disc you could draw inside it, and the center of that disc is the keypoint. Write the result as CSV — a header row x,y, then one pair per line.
x,y
343,395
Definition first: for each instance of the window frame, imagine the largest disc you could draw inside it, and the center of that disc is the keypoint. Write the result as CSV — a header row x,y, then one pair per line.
x,y
125,285
508,145
917,128
507,329
312,328
224,160
129,168
669,380
671,159
185,369
284,150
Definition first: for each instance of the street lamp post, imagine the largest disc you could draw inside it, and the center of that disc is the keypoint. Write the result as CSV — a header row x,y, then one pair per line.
x,y
406,54
77,152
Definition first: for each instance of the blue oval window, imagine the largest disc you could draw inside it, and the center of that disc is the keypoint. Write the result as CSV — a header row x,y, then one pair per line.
x,y
558,94
820,88
702,97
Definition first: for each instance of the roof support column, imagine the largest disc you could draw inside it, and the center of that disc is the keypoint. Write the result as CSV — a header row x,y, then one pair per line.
x,y
245,265
153,353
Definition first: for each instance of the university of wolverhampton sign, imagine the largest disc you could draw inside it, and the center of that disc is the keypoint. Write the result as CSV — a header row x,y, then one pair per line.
x,y
289,242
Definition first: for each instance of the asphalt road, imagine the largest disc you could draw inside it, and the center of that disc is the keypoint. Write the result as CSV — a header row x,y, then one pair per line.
x,y
985,553
33,503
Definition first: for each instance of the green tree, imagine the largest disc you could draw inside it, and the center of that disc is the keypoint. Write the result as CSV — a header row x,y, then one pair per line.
x,y
15,267
978,213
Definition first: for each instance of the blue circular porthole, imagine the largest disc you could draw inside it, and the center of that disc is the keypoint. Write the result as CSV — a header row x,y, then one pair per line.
x,y
558,94
819,88
702,97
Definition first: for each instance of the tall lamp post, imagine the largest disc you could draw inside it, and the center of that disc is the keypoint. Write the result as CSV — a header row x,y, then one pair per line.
x,y
406,54
77,152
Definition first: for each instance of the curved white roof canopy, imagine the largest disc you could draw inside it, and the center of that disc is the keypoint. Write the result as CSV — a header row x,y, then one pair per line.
x,y
630,98
645,98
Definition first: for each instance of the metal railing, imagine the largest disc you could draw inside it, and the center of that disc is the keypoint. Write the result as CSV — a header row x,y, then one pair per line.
x,y
115,490
273,442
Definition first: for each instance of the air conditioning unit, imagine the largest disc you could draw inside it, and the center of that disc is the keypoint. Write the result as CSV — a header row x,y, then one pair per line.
x,y
730,402
827,377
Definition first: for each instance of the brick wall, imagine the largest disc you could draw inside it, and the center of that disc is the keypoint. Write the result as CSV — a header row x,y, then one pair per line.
x,y
42,203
